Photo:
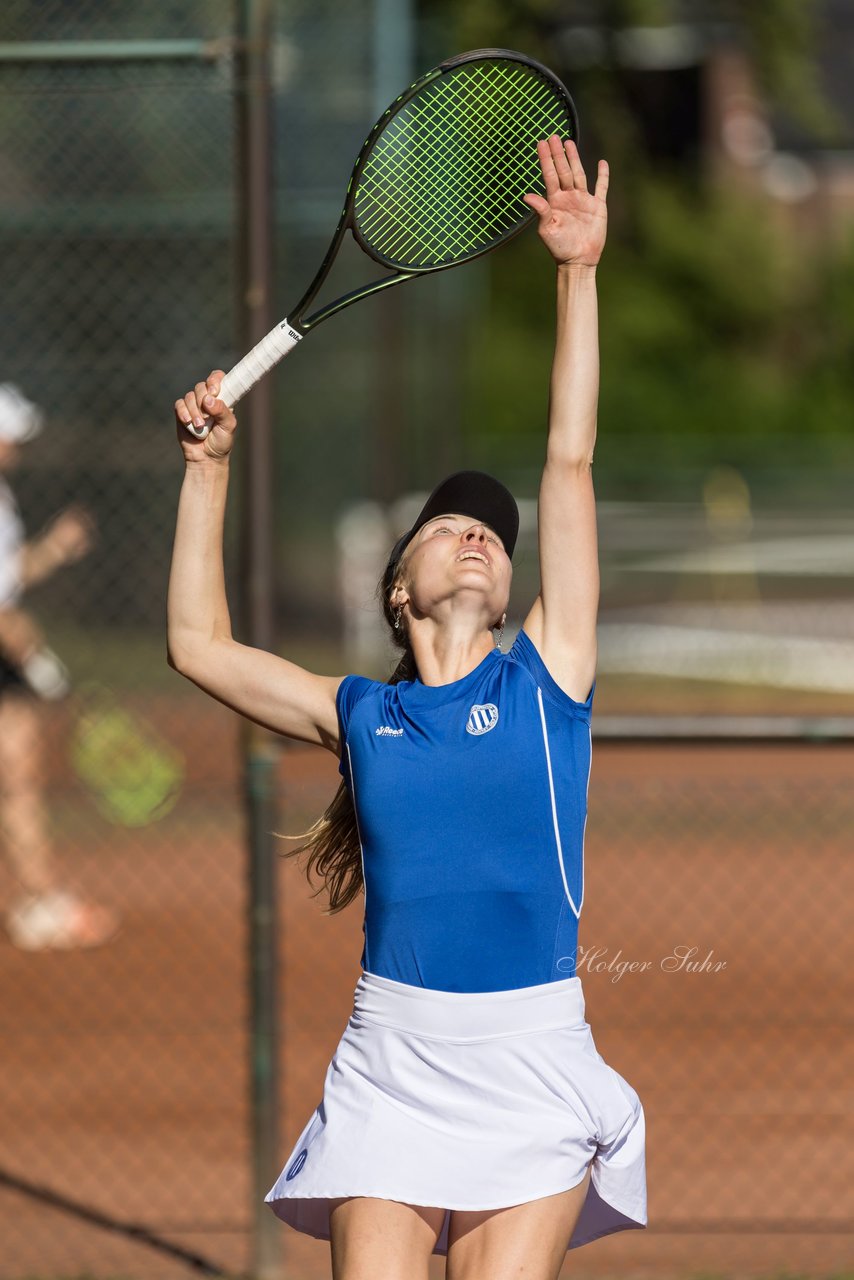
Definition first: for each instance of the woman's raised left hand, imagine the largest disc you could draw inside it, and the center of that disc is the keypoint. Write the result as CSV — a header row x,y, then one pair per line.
x,y
573,221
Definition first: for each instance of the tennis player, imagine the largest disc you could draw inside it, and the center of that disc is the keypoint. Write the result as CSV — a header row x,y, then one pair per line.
x,y
466,1110
46,914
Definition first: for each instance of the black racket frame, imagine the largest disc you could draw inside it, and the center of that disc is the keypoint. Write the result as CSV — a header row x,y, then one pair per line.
x,y
347,221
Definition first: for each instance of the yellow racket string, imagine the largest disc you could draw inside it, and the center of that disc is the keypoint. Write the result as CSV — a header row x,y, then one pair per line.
x,y
446,176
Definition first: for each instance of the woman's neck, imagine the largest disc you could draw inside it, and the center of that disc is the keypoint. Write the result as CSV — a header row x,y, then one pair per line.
x,y
442,659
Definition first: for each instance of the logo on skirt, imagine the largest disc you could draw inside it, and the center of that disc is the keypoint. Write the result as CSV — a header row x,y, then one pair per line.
x,y
297,1165
482,718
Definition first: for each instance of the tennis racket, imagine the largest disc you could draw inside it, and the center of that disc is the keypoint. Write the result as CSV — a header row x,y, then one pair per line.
x,y
438,182
134,775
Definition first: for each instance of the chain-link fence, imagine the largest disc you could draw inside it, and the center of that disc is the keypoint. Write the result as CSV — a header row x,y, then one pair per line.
x,y
124,1132
715,954
125,1069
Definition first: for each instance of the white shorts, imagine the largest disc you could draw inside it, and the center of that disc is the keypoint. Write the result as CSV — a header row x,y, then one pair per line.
x,y
469,1101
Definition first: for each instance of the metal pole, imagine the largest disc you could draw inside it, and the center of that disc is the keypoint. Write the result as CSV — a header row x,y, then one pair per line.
x,y
254,129
393,39
113,51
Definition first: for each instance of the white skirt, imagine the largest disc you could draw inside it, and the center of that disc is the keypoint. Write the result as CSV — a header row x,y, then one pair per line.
x,y
469,1101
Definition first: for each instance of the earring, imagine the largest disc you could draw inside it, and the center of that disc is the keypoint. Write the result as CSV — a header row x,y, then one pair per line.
x,y
501,631
398,611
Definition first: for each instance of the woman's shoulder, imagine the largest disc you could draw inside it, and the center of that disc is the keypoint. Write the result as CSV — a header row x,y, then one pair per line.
x,y
352,690
354,687
524,653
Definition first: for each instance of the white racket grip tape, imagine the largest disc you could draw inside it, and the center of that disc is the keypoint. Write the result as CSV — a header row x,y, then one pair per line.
x,y
260,360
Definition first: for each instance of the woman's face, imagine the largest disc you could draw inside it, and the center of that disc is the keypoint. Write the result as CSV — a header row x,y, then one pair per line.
x,y
450,555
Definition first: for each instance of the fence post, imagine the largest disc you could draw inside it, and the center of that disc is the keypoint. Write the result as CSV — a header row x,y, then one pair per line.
x,y
253,111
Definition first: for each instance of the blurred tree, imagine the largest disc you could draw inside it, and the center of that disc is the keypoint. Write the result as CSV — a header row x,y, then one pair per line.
x,y
781,35
724,339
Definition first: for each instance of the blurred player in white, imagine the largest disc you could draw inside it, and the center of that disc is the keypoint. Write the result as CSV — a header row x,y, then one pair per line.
x,y
44,915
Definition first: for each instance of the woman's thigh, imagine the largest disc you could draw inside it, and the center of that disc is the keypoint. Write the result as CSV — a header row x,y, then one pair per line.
x,y
372,1238
526,1239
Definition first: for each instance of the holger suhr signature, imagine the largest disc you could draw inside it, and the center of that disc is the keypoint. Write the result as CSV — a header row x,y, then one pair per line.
x,y
681,960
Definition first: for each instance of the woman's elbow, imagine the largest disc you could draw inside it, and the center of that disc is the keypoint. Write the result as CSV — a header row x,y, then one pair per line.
x,y
179,656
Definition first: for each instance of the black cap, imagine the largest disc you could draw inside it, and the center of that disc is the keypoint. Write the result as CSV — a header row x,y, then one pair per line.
x,y
471,493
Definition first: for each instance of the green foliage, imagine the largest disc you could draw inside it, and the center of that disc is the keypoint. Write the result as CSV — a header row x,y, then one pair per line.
x,y
719,343
726,332
781,36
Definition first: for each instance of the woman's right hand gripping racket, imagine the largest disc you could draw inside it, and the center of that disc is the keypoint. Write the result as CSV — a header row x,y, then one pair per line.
x,y
439,181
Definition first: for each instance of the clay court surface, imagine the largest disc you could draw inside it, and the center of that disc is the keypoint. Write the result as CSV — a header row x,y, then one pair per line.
x,y
124,1072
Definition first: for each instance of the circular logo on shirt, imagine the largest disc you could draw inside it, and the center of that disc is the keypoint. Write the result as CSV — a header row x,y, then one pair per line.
x,y
297,1165
482,718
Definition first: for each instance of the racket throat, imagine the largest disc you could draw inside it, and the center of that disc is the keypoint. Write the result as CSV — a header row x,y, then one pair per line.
x,y
353,247
364,291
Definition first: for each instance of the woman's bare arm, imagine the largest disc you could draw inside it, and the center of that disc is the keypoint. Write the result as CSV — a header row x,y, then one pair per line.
x,y
562,621
268,689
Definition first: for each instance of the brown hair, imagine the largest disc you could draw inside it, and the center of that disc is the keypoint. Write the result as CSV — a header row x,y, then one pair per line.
x,y
334,849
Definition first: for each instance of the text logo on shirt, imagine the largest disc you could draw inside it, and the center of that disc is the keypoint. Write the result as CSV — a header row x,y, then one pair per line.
x,y
482,718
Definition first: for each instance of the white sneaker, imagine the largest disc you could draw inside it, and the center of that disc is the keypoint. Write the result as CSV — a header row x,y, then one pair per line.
x,y
59,921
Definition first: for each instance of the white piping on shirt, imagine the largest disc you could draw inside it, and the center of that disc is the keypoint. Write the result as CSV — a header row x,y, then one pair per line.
x,y
577,910
586,810
359,834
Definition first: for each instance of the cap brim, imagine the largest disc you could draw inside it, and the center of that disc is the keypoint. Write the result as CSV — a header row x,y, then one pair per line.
x,y
470,493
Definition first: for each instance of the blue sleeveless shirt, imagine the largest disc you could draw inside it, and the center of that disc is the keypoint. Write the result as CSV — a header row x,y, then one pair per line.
x,y
471,804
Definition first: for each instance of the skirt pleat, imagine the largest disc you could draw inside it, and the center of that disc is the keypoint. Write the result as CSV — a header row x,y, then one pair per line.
x,y
469,1100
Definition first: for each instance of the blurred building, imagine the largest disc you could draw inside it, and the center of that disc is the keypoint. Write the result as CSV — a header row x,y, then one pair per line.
x,y
697,99
805,168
